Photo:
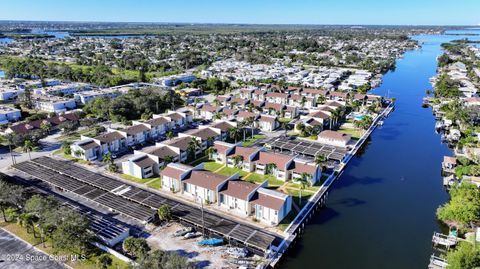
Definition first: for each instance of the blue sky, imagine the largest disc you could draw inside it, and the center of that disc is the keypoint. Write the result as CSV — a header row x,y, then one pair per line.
x,y
430,12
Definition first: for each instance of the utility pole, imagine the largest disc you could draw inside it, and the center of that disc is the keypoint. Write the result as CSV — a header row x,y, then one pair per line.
x,y
203,220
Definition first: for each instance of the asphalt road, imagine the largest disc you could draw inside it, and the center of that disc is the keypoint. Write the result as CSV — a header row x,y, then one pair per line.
x,y
16,254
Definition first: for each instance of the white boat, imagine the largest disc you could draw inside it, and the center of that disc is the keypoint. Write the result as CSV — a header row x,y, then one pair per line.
x,y
191,235
237,252
183,231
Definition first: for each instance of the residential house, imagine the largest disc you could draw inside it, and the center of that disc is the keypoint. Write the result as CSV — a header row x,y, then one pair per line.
x,y
280,164
172,176
140,166
334,138
268,123
235,195
204,185
270,206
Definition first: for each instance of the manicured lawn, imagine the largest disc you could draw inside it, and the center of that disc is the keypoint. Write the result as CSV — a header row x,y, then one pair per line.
x,y
227,171
287,220
59,152
156,183
292,185
250,141
212,166
295,193
257,178
89,263
200,159
135,179
355,133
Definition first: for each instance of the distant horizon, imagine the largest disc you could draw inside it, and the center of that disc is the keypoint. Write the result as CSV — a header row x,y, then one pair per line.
x,y
256,12
236,23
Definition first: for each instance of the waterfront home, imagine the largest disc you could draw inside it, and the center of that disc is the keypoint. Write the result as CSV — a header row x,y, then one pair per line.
x,y
373,99
299,167
270,206
268,123
235,196
204,185
172,176
279,164
449,164
318,119
334,138
339,96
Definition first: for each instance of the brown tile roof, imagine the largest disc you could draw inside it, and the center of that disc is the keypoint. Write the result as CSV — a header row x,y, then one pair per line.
x,y
179,142
319,114
205,179
203,133
277,95
315,91
334,104
221,149
110,137
175,116
359,96
258,103
335,135
450,160
162,152
172,172
135,129
144,161
210,108
267,201
240,101
88,145
158,121
245,152
246,114
275,106
339,94
222,125
300,167
266,118
278,159
238,189
24,128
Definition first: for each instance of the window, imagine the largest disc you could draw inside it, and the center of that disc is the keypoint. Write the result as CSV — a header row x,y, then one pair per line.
x,y
276,213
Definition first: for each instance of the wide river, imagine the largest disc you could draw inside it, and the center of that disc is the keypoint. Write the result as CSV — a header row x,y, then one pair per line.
x,y
381,211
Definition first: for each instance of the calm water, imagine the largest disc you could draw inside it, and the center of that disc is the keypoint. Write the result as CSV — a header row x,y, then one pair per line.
x,y
381,211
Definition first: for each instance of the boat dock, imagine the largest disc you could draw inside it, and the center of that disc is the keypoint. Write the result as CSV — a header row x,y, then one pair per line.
x,y
437,263
444,240
318,200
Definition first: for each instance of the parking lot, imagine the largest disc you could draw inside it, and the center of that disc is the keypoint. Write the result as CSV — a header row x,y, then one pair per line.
x,y
16,254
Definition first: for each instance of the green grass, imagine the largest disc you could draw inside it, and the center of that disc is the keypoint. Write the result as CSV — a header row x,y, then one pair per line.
x,y
293,185
228,171
89,263
60,153
355,133
287,220
282,120
212,166
156,184
258,178
295,193
135,179
250,141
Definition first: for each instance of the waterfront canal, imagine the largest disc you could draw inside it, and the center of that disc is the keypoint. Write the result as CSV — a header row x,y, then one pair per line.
x,y
381,211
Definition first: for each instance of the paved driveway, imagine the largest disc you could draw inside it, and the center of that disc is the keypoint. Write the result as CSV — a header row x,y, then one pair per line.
x,y
16,254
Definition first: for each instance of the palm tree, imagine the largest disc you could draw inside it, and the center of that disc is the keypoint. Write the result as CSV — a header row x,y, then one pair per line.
x,y
234,133
321,160
285,127
169,135
46,126
193,145
270,168
217,115
28,147
335,115
304,181
210,151
237,159
216,102
251,122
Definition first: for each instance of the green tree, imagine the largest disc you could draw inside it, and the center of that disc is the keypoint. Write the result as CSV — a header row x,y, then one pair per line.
x,y
465,256
169,135
164,213
28,146
210,151
137,247
234,133
463,208
193,145
104,261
